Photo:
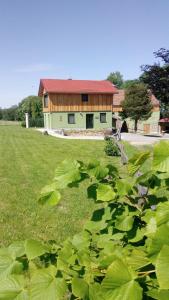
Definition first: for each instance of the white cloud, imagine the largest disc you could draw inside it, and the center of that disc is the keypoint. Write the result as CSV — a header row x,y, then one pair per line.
x,y
34,68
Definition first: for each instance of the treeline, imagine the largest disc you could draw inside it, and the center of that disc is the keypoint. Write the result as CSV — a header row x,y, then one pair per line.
x,y
9,114
31,105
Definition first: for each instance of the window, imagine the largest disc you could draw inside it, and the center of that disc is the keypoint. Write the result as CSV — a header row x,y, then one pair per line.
x,y
84,98
45,101
102,117
71,118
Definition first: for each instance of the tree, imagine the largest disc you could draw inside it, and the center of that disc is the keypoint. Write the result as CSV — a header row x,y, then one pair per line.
x,y
116,78
156,76
130,82
10,114
1,113
137,104
32,105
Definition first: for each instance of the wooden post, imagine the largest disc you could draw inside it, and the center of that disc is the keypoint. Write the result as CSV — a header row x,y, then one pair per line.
x,y
27,120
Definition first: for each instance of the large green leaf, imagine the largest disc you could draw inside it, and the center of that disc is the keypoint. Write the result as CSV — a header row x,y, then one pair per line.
x,y
137,259
95,292
158,294
119,283
81,240
159,239
105,192
93,226
12,288
124,223
80,288
8,264
162,267
49,195
137,161
124,186
67,172
162,213
34,249
96,170
17,249
161,156
45,286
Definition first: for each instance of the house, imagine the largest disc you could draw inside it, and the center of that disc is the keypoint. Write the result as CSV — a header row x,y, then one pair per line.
x,y
148,126
77,104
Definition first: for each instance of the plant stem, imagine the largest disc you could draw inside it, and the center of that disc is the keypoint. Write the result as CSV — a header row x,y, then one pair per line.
x,y
146,273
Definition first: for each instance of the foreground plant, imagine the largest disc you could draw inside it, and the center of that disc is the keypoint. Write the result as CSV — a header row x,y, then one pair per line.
x,y
123,251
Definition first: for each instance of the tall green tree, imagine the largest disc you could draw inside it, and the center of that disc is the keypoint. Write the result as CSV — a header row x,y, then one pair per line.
x,y
156,76
137,104
32,105
116,78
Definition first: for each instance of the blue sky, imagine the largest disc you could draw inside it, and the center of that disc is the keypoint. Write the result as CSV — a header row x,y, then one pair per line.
x,y
76,38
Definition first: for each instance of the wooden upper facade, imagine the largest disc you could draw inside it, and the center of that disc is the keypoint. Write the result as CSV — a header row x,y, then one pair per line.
x,y
74,102
76,95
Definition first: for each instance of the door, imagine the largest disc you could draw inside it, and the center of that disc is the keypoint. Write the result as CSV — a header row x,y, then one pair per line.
x,y
89,121
146,128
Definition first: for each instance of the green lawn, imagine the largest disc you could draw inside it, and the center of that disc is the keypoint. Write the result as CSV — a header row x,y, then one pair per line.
x,y
27,163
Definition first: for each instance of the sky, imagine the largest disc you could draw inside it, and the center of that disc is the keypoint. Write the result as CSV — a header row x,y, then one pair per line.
x,y
78,39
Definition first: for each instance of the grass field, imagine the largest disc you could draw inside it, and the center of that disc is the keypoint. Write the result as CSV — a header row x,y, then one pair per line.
x,y
4,122
27,163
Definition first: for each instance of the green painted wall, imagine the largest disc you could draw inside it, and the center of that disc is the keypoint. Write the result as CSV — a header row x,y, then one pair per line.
x,y
153,121
59,120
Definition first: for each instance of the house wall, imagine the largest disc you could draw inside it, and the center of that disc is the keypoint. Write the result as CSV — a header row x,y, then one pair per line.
x,y
59,120
73,102
151,123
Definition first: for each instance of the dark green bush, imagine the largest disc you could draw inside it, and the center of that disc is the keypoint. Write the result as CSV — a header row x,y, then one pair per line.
x,y
23,124
38,122
111,148
107,138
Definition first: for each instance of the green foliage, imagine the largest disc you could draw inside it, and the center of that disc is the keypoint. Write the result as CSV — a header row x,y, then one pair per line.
x,y
36,122
128,83
161,157
123,251
31,105
9,114
137,104
111,148
116,78
156,76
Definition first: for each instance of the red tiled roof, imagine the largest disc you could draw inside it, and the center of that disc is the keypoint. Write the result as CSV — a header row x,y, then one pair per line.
x,y
76,86
119,97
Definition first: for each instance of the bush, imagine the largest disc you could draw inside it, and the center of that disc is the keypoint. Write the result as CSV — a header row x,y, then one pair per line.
x,y
23,124
107,138
38,122
111,148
